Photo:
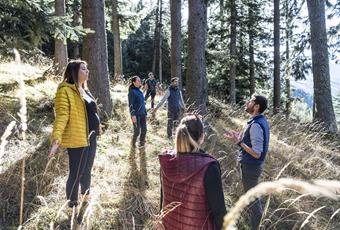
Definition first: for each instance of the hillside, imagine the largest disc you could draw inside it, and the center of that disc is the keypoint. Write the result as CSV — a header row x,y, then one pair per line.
x,y
120,201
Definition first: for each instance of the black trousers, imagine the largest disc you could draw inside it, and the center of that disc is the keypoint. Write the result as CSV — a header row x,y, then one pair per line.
x,y
139,130
80,166
152,94
250,178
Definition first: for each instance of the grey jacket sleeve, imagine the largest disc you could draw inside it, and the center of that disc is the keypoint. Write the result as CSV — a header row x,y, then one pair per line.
x,y
165,97
256,138
181,101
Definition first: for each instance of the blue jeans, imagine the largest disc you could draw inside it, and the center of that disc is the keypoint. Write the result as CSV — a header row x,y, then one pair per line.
x,y
250,178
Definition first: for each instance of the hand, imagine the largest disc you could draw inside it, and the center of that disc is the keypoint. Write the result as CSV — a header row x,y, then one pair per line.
x,y
153,112
233,136
53,148
134,119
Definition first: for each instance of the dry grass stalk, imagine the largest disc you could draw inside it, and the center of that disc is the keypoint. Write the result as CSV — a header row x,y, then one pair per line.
x,y
269,197
279,186
157,223
310,216
333,215
23,118
4,138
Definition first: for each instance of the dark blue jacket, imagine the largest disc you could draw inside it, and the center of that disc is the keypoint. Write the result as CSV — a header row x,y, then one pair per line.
x,y
136,102
246,158
174,100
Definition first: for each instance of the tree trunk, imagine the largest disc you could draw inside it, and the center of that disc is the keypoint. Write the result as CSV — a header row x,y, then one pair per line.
x,y
60,48
197,85
95,52
277,81
251,48
233,54
116,41
155,39
288,67
160,75
323,105
222,7
176,43
75,22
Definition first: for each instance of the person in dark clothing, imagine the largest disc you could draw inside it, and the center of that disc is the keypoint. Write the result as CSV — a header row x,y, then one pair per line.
x,y
254,143
151,86
175,104
191,179
76,128
137,111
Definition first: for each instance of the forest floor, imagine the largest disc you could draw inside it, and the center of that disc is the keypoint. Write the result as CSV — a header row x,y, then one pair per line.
x,y
119,198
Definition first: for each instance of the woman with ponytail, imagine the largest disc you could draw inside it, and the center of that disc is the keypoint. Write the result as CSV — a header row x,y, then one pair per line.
x,y
137,111
191,179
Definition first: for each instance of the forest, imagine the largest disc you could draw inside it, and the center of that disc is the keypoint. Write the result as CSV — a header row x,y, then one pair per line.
x,y
223,53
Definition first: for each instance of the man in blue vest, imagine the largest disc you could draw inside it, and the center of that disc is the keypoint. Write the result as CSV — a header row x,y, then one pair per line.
x,y
175,103
253,142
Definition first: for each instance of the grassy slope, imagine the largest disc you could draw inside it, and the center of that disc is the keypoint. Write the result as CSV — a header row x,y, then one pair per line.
x,y
119,199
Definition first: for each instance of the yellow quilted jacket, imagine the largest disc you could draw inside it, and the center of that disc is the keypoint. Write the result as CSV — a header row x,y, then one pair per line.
x,y
70,124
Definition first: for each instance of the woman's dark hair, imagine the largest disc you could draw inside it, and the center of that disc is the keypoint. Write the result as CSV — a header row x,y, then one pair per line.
x,y
188,133
132,80
72,71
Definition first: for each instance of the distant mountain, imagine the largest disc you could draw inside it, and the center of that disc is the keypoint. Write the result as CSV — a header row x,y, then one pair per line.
x,y
307,85
306,97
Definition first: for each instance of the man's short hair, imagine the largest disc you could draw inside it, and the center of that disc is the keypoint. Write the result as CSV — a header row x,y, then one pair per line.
x,y
262,102
173,79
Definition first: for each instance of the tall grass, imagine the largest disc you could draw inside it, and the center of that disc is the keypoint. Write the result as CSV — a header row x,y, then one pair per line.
x,y
318,189
4,137
23,119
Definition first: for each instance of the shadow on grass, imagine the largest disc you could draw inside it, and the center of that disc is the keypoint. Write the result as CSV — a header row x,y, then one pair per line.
x,y
135,209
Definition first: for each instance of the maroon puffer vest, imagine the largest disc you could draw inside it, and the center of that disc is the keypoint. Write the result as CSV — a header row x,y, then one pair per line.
x,y
182,179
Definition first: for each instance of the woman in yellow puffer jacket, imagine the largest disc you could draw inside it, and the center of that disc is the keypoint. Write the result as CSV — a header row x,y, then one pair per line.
x,y
76,127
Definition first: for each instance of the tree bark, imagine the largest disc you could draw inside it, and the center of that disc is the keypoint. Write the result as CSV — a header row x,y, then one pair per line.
x,y
160,75
116,41
277,81
233,54
176,43
95,53
197,85
288,66
155,39
251,48
323,106
60,48
75,22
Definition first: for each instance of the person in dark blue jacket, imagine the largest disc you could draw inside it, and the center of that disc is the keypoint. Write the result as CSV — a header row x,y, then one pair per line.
x,y
173,96
254,143
137,111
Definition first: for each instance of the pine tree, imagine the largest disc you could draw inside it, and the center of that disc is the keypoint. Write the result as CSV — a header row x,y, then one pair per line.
x,y
196,85
323,110
60,48
95,53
